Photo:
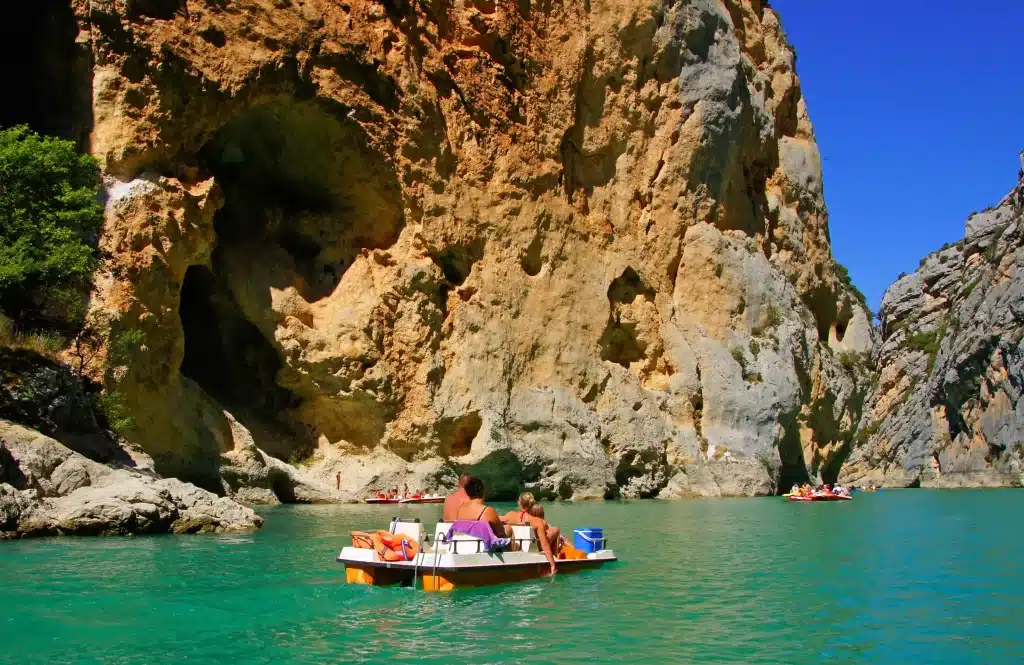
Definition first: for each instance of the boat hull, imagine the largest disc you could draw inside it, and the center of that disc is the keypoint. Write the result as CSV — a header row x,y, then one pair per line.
x,y
811,499
428,499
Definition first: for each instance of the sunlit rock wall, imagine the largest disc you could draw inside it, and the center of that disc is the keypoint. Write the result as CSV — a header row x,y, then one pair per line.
x,y
580,247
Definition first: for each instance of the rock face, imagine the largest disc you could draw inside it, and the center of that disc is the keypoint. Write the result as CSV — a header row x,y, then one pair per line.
x,y
47,489
948,408
578,247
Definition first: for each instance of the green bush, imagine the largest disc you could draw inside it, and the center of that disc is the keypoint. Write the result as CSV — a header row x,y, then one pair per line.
x,y
770,320
928,342
49,220
865,433
739,357
924,341
115,408
844,277
42,342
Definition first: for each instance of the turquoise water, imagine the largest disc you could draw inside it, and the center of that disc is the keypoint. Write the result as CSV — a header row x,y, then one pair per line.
x,y
894,577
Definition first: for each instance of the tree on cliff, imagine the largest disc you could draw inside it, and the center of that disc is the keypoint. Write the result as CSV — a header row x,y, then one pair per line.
x,y
50,217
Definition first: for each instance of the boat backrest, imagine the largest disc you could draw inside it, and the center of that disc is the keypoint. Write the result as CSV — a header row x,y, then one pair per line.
x,y
463,544
460,542
413,530
523,535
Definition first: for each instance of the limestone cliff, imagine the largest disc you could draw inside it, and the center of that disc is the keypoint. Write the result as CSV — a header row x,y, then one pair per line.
x,y
578,246
947,410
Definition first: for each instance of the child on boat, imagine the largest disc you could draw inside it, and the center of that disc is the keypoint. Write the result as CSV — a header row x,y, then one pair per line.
x,y
550,537
521,516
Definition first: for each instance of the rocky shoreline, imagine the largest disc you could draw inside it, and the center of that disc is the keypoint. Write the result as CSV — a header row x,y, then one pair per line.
x,y
46,489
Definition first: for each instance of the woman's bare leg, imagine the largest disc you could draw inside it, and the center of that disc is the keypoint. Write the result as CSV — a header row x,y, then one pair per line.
x,y
554,535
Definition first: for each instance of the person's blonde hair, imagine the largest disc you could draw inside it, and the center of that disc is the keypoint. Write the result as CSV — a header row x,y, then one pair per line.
x,y
526,501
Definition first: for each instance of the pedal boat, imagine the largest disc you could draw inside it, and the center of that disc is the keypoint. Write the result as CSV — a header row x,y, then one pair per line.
x,y
461,562
427,498
817,497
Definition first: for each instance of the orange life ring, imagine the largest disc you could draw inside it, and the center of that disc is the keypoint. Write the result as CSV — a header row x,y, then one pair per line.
x,y
362,540
395,547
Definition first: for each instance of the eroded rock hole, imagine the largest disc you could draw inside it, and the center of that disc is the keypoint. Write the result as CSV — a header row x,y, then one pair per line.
x,y
304,192
841,329
226,354
457,261
627,286
532,260
50,87
457,434
620,345
620,342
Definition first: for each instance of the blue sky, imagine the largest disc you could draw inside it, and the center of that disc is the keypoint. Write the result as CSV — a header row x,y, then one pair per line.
x,y
918,107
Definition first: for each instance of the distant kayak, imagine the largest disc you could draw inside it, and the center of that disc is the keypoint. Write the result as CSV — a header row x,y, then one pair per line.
x,y
382,500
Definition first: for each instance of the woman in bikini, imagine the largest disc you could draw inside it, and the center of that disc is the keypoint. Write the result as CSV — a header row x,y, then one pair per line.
x,y
475,510
521,516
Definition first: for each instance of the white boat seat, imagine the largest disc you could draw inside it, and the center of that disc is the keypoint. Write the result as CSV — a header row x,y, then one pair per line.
x,y
524,537
413,530
460,542
463,544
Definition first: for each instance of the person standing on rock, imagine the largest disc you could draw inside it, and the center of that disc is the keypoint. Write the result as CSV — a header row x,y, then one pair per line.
x,y
454,501
337,481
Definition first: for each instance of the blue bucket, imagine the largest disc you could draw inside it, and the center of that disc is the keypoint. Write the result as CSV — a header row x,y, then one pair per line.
x,y
588,539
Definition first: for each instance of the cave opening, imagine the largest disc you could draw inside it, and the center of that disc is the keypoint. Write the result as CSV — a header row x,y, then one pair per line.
x,y
532,259
305,193
50,89
304,190
226,354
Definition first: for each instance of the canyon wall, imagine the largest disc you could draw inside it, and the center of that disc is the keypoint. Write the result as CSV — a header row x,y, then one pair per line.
x,y
947,410
580,247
